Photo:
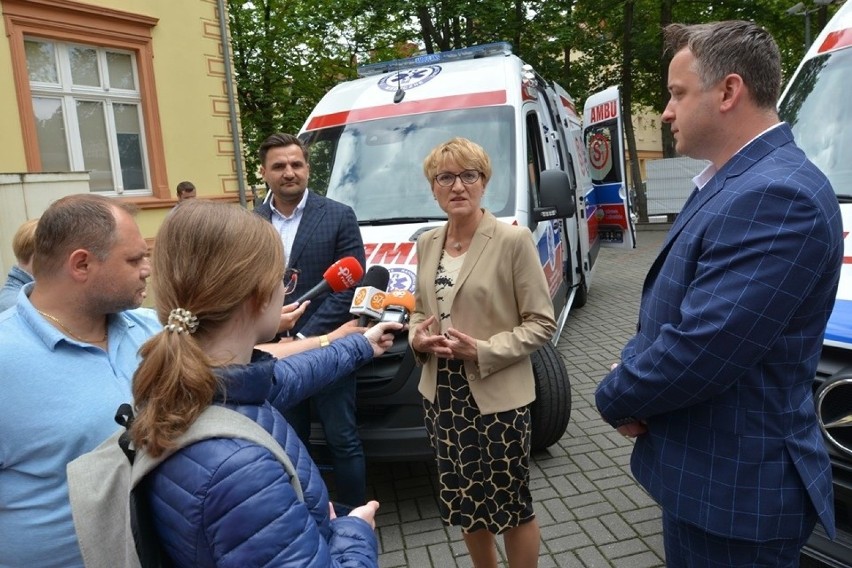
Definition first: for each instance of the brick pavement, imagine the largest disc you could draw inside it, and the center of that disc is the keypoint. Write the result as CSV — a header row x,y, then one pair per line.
x,y
590,510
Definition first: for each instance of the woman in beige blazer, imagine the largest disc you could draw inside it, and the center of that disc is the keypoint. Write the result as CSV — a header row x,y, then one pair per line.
x,y
482,307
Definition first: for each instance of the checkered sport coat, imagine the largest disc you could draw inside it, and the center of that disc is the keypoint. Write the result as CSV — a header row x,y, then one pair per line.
x,y
731,324
327,232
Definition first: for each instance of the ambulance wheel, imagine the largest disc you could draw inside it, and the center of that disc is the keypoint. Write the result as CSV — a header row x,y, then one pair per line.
x,y
582,294
551,410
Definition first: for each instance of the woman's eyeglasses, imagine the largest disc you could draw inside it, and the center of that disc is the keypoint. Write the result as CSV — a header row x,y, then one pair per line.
x,y
467,177
291,279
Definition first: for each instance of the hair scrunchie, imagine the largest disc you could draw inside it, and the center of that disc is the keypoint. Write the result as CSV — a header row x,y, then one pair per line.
x,y
182,321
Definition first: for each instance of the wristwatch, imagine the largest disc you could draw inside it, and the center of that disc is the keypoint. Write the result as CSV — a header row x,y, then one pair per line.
x,y
324,342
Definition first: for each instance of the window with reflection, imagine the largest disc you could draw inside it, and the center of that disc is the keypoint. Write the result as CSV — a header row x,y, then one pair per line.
x,y
818,110
87,108
376,167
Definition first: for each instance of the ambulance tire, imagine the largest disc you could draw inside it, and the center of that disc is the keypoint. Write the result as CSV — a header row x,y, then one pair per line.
x,y
551,410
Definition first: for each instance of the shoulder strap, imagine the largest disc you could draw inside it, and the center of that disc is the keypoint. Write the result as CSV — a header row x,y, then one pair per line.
x,y
98,489
100,485
219,422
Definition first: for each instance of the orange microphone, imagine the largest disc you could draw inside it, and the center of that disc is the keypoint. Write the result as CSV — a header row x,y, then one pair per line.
x,y
398,305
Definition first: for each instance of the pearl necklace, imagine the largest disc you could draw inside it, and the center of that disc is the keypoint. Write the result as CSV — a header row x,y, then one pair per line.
x,y
71,333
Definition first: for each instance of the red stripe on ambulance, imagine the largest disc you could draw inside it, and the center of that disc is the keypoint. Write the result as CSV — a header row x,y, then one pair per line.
x,y
469,100
836,40
568,104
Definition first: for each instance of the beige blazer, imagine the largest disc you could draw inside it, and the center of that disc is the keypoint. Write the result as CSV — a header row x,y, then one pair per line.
x,y
501,298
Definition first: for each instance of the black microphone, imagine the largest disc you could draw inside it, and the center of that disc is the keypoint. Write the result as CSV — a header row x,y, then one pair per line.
x,y
340,276
369,297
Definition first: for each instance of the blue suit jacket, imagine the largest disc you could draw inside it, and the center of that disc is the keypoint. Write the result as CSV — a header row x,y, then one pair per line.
x,y
327,232
730,330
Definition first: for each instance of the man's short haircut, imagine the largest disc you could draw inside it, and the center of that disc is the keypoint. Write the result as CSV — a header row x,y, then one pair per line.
x,y
84,221
23,243
185,187
723,48
279,140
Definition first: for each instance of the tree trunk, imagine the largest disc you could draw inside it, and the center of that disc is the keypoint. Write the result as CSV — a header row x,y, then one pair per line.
x,y
666,8
427,30
519,20
627,114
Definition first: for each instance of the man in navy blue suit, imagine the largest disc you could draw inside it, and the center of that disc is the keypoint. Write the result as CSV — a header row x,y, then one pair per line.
x,y
316,232
716,385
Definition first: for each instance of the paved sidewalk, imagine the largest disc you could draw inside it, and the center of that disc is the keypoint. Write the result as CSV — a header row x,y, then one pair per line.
x,y
590,510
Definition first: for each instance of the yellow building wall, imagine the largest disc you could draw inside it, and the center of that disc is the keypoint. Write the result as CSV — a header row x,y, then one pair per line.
x,y
191,96
649,143
12,158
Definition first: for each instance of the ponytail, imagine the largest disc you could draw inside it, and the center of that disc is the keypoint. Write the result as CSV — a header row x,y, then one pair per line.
x,y
208,260
172,386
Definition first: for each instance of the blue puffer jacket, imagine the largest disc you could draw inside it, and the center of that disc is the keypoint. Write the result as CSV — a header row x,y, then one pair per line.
x,y
229,502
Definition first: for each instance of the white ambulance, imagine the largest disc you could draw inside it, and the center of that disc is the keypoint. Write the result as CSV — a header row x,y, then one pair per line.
x,y
817,105
368,138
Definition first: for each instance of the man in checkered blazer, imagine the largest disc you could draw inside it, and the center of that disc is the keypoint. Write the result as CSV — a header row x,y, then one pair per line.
x,y
316,232
716,385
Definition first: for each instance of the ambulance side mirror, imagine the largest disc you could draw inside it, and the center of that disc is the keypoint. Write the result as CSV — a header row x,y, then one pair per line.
x,y
556,197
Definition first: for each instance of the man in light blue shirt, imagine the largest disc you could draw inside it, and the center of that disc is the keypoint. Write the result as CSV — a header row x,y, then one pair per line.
x,y
68,351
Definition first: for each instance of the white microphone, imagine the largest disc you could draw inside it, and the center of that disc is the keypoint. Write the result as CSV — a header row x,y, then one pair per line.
x,y
368,300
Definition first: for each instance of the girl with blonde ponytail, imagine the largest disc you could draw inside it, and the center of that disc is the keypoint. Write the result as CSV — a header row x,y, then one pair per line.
x,y
217,278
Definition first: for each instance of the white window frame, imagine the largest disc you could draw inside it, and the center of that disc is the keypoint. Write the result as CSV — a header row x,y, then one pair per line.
x,y
70,94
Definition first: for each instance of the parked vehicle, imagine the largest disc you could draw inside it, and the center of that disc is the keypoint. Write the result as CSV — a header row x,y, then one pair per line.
x,y
368,138
817,106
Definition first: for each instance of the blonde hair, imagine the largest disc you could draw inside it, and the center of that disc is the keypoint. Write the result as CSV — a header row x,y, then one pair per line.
x,y
209,258
23,243
465,153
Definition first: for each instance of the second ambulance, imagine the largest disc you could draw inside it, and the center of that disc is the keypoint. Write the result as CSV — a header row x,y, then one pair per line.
x,y
817,105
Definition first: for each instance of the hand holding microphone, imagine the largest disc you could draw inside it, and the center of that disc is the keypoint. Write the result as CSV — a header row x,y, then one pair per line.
x,y
290,313
340,276
381,336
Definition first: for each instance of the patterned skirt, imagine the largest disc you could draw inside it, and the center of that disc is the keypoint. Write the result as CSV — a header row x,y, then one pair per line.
x,y
482,459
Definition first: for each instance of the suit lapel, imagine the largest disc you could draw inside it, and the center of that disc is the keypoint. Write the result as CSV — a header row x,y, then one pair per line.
x,y
696,200
483,234
311,217
428,265
481,238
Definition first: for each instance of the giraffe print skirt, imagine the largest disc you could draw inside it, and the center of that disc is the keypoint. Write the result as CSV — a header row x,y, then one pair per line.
x,y
482,459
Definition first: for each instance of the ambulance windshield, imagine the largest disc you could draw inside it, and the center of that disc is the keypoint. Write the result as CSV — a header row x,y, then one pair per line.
x,y
376,167
818,108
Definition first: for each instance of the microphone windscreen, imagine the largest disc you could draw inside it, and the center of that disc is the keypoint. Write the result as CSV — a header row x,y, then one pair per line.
x,y
343,274
399,298
377,276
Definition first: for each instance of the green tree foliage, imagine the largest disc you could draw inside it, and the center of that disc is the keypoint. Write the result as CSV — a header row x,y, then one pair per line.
x,y
288,53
